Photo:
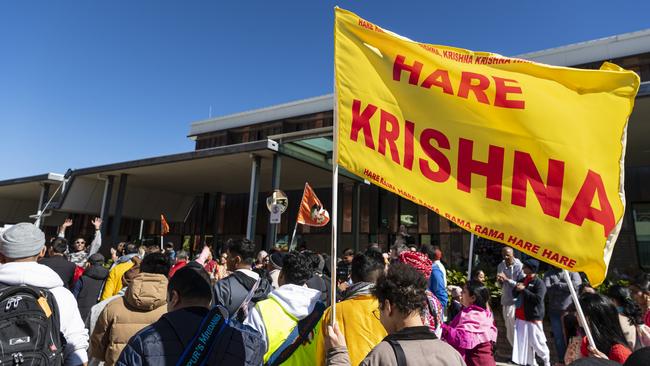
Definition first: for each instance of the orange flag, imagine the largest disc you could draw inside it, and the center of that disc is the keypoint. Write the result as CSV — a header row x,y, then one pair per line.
x,y
164,226
311,211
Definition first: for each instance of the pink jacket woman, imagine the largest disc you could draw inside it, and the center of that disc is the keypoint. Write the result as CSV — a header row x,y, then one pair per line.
x,y
472,332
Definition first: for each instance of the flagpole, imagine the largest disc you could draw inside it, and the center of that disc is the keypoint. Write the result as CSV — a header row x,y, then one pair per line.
x,y
291,247
293,236
471,257
335,197
581,315
141,227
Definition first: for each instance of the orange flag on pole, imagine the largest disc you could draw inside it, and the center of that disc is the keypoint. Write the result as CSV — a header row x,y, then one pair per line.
x,y
164,226
311,211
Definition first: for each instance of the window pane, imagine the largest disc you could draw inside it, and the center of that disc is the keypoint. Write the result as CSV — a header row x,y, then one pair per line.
x,y
641,216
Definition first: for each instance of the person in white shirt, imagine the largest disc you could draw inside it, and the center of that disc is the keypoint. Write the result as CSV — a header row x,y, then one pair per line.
x,y
509,271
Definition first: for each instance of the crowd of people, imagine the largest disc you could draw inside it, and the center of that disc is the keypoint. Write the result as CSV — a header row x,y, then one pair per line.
x,y
153,305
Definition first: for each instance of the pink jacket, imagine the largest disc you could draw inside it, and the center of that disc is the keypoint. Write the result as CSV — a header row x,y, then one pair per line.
x,y
471,333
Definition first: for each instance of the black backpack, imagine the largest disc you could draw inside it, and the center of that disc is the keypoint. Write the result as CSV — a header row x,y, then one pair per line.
x,y
29,327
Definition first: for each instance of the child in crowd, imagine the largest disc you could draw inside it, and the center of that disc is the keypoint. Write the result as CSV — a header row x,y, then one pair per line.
x,y
455,306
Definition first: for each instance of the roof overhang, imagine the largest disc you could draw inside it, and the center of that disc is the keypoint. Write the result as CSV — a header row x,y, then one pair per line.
x,y
164,184
607,48
170,184
273,113
19,198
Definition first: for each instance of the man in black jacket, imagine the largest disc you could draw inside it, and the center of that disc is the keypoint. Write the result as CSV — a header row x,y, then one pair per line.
x,y
57,261
529,338
89,286
231,292
188,299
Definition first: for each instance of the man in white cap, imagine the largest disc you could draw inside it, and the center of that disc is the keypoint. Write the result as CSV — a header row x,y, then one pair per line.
x,y
20,247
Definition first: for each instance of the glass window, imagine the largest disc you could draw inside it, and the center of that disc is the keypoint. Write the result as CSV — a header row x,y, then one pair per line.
x,y
641,217
408,215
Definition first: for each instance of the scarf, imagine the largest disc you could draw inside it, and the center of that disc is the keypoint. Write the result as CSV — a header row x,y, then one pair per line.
x,y
417,260
78,258
357,289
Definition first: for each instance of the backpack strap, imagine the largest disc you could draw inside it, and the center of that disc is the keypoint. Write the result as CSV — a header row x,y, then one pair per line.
x,y
197,352
297,337
12,290
399,352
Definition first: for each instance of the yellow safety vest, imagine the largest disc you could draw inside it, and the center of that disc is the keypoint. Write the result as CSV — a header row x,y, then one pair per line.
x,y
279,324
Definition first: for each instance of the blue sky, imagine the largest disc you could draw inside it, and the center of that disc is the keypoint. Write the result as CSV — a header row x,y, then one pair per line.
x,y
84,83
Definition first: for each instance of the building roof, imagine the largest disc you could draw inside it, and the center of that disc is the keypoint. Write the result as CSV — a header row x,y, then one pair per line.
x,y
607,48
272,113
41,178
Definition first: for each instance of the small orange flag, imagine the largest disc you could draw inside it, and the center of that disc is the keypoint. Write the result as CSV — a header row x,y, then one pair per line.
x,y
311,211
164,226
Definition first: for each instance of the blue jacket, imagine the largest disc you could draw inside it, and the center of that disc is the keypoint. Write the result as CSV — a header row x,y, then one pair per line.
x,y
163,342
437,286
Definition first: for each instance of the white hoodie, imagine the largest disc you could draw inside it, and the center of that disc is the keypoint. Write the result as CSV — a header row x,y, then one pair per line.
x,y
298,301
72,327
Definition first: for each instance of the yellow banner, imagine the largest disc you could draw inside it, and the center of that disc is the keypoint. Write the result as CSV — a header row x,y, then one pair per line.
x,y
526,154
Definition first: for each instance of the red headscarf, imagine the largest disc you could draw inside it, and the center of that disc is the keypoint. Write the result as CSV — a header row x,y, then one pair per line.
x,y
417,260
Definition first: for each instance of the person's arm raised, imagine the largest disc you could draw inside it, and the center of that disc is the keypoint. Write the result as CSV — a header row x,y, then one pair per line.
x,y
97,240
66,224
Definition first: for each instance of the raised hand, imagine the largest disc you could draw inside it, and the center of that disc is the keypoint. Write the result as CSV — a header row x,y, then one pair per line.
x,y
97,222
66,224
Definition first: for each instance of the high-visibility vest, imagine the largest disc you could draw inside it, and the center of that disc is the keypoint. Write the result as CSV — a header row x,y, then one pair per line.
x,y
279,324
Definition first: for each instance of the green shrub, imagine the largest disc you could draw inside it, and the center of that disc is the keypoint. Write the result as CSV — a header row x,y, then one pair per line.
x,y
604,287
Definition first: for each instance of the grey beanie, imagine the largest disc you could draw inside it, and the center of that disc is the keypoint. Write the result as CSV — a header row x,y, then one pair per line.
x,y
21,241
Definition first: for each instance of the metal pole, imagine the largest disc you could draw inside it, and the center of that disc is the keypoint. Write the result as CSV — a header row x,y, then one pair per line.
x,y
272,229
40,212
106,202
335,200
119,205
471,257
581,315
293,237
205,211
215,217
141,228
45,191
252,198
356,215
